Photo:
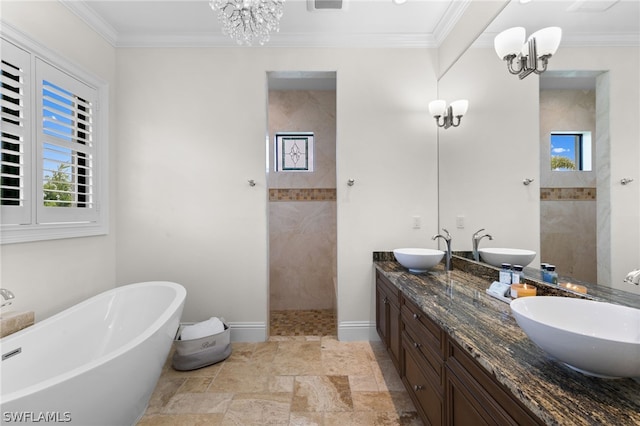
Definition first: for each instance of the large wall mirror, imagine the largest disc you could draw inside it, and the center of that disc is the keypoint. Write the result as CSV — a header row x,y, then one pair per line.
x,y
495,169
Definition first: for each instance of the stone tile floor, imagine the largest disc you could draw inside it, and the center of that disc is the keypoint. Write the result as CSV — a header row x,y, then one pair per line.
x,y
300,380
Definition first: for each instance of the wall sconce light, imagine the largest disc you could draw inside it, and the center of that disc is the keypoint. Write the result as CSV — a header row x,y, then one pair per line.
x,y
532,56
455,111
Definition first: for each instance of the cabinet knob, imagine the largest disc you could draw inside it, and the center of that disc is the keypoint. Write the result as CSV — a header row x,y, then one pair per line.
x,y
418,387
416,345
416,316
386,301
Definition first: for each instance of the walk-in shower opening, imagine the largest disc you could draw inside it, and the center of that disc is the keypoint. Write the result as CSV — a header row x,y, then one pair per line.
x,y
301,176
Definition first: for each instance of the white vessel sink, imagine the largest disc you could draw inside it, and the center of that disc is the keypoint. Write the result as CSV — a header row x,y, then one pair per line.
x,y
595,338
498,256
418,260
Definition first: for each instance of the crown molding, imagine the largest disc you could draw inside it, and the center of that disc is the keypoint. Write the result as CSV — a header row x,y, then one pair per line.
x,y
282,40
448,21
327,40
93,20
211,39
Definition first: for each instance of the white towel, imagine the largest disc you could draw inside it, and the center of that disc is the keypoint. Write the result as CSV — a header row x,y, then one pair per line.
x,y
202,329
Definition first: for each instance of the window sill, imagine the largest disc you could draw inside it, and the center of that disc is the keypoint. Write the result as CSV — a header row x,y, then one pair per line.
x,y
14,234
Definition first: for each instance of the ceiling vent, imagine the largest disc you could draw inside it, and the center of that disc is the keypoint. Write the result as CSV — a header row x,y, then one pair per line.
x,y
315,5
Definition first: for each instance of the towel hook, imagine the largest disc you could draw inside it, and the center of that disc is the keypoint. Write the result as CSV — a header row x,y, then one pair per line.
x,y
527,181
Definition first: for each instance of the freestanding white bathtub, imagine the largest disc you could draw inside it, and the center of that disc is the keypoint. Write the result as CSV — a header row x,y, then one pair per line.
x,y
95,363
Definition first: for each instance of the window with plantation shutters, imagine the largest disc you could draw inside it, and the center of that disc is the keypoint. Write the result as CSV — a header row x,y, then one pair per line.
x,y
53,180
16,138
65,147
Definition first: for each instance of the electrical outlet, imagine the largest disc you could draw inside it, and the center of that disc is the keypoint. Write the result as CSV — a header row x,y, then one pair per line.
x,y
460,222
417,222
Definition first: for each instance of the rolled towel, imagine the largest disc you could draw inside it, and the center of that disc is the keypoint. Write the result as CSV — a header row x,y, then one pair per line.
x,y
216,325
202,329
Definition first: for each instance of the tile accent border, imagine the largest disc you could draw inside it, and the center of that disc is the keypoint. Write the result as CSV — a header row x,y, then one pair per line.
x,y
568,194
302,194
383,256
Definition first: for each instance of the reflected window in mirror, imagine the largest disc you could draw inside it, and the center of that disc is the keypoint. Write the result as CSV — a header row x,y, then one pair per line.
x,y
571,151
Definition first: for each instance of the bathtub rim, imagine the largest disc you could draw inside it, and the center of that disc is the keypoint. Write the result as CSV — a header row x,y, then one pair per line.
x,y
176,303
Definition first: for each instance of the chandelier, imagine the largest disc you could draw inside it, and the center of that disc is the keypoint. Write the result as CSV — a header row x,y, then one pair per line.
x,y
248,21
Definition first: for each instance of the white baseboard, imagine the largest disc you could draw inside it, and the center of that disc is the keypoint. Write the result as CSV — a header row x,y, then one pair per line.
x,y
248,331
349,331
244,331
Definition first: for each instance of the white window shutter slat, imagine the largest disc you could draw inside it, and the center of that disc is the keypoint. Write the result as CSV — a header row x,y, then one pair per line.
x,y
15,157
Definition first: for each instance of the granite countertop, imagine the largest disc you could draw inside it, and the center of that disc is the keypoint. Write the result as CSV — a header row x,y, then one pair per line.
x,y
485,328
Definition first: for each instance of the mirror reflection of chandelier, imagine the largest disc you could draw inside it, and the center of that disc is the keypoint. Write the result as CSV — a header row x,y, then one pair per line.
x,y
249,21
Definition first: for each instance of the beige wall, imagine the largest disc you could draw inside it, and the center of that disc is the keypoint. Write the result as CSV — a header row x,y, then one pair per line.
x,y
302,231
568,226
192,126
49,276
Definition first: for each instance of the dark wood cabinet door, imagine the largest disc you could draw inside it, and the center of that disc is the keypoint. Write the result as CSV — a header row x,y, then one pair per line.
x,y
382,322
394,333
462,407
423,391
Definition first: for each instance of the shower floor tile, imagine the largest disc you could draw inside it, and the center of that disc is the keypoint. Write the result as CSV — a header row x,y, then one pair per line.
x,y
316,322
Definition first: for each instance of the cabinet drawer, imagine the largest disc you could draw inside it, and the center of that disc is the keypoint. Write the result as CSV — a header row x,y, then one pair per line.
x,y
428,332
426,398
431,362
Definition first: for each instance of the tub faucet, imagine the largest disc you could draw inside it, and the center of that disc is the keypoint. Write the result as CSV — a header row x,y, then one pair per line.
x,y
476,241
447,239
7,296
633,277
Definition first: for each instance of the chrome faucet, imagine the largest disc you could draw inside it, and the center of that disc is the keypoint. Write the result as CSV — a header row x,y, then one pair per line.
x,y
633,277
447,239
476,241
7,296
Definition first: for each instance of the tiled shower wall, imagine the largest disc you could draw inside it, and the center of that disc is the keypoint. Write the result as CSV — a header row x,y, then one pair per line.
x,y
302,206
568,223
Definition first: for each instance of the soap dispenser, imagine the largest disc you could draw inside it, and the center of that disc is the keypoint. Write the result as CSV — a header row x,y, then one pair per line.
x,y
517,276
551,275
505,273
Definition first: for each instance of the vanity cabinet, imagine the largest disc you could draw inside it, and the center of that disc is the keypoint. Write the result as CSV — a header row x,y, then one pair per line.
x,y
423,362
388,316
447,386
